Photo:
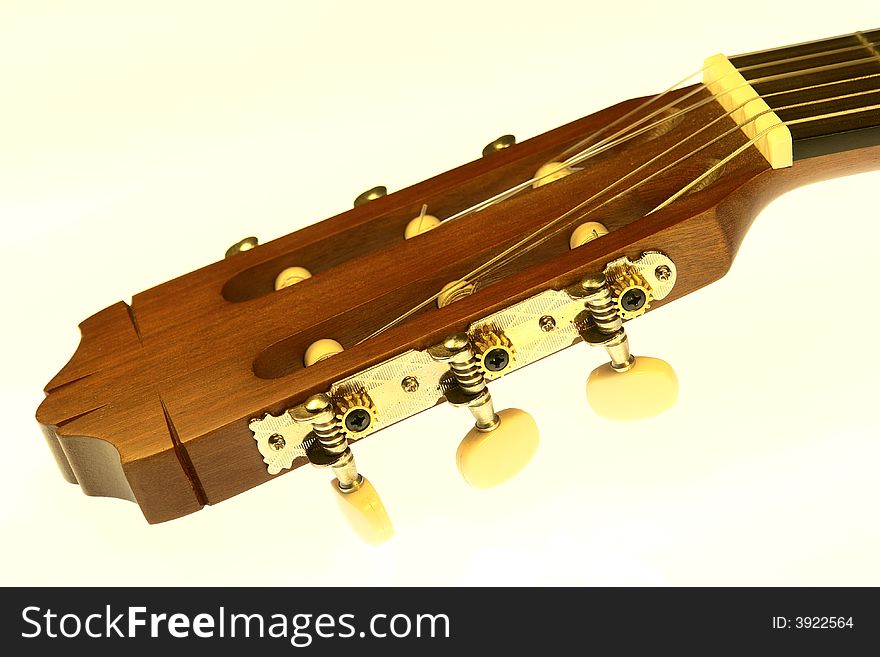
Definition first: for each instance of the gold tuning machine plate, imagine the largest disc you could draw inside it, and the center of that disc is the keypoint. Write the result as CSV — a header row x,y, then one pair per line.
x,y
413,381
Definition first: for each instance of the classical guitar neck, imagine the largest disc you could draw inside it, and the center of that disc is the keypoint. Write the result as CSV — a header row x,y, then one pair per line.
x,y
825,93
288,353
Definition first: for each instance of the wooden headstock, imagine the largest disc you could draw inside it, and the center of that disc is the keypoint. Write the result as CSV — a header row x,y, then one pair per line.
x,y
156,404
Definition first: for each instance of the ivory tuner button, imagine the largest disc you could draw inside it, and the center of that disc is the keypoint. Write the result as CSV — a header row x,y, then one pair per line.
x,y
489,458
587,233
648,388
419,225
321,349
364,512
291,276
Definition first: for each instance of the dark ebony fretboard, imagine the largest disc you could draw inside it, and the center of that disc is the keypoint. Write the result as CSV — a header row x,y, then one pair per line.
x,y
815,75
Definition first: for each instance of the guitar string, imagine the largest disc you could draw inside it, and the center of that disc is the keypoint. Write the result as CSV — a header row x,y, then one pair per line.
x,y
490,265
788,60
583,155
574,148
657,157
676,196
775,77
867,44
577,160
768,78
732,130
684,190
610,142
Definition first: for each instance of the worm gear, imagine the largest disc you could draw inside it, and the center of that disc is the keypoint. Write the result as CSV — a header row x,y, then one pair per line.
x,y
630,292
355,413
493,350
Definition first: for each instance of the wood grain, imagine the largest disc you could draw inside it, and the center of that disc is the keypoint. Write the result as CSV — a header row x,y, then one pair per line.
x,y
154,404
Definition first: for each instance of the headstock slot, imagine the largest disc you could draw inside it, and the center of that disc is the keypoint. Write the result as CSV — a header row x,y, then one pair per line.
x,y
380,223
350,309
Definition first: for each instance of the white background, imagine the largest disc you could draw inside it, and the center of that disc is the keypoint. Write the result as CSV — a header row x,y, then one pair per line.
x,y
139,140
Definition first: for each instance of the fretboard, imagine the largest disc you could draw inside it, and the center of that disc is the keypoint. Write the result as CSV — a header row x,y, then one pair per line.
x,y
834,84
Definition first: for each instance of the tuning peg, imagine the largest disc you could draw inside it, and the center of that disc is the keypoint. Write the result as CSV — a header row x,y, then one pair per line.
x,y
371,195
499,445
629,387
358,500
647,388
241,246
364,512
488,457
504,141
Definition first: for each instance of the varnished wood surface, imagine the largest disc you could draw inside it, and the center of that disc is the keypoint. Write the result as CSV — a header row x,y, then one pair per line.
x,y
170,383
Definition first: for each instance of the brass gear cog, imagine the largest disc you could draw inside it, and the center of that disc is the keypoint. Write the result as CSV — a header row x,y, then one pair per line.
x,y
490,339
627,280
355,413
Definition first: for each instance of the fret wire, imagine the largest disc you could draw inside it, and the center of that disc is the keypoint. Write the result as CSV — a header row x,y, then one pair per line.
x,y
807,44
817,69
867,44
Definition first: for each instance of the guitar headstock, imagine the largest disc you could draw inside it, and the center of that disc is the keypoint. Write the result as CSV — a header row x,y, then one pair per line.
x,y
287,353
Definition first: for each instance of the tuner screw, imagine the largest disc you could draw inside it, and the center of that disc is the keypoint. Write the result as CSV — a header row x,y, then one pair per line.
x,y
663,273
496,360
630,292
547,323
358,420
633,300
410,384
277,442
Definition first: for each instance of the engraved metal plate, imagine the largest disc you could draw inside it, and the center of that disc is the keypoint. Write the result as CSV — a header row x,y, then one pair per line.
x,y
413,382
280,454
385,384
521,323
655,267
